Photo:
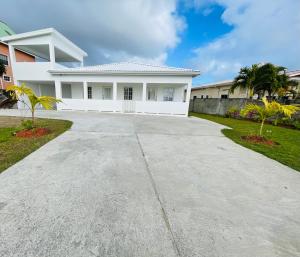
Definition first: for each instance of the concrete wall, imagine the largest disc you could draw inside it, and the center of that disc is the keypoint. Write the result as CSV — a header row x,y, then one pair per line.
x,y
217,106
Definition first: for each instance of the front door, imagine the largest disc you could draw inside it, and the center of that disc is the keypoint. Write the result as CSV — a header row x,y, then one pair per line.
x,y
128,104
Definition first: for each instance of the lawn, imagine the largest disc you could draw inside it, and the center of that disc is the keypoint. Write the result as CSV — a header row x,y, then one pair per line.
x,y
13,149
288,150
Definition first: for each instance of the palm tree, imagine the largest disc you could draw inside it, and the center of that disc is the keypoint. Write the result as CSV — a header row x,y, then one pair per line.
x,y
272,79
46,101
245,79
2,71
269,109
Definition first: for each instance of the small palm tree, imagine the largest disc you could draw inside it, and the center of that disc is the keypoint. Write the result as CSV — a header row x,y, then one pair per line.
x,y
269,109
46,101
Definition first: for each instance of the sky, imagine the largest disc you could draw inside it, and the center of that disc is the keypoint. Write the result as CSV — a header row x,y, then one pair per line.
x,y
217,37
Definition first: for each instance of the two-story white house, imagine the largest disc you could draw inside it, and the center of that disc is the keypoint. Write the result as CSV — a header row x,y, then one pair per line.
x,y
118,87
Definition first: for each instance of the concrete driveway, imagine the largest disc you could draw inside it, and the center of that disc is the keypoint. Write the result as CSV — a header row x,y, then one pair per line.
x,y
147,186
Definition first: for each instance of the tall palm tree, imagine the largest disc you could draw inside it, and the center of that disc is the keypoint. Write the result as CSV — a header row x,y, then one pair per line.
x,y
272,79
245,79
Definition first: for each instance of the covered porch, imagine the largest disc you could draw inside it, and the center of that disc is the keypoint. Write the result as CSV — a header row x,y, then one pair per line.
x,y
156,98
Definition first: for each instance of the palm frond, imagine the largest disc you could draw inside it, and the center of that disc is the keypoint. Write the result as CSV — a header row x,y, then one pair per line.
x,y
47,101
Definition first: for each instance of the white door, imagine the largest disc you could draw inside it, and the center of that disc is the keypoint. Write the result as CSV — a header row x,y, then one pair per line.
x,y
128,103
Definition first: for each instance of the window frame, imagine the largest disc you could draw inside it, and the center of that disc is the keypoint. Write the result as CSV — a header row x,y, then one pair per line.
x,y
6,60
169,97
128,93
103,93
6,77
149,94
90,92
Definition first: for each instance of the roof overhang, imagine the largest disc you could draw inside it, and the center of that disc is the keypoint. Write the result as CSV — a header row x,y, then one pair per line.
x,y
23,37
127,73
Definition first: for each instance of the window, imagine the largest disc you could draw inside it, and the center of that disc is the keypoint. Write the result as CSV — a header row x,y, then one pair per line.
x,y
206,96
90,92
195,97
127,93
224,96
169,94
106,95
202,96
6,78
152,96
4,59
66,91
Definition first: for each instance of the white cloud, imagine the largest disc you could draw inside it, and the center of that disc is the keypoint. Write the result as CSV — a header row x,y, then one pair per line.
x,y
108,30
263,31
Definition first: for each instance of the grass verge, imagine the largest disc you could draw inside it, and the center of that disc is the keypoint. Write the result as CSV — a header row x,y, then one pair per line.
x,y
13,149
288,150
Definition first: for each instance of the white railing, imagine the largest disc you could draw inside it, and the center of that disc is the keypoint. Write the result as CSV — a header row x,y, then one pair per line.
x,y
90,105
177,108
173,108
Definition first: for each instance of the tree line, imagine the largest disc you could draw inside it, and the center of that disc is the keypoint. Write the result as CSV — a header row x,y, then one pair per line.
x,y
265,78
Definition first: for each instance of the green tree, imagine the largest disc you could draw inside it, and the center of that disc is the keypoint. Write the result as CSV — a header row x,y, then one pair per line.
x,y
46,101
269,109
272,79
245,79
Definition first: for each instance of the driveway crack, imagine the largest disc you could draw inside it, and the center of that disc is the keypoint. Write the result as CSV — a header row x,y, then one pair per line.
x,y
162,207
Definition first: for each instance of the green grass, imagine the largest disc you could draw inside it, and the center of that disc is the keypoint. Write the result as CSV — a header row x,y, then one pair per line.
x,y
288,150
13,149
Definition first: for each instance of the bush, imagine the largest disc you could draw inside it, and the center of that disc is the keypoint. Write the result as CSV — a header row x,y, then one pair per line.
x,y
27,124
233,112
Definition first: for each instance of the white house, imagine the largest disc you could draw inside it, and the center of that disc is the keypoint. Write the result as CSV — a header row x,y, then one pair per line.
x,y
117,87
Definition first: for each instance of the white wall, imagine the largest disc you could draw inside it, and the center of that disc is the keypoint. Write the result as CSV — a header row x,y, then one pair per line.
x,y
98,90
76,90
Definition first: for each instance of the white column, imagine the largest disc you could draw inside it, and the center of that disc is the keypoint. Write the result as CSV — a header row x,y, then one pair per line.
x,y
52,54
188,97
12,59
144,92
115,90
58,94
85,91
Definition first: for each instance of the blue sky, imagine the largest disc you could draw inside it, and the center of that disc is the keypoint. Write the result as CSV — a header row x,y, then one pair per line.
x,y
218,37
203,26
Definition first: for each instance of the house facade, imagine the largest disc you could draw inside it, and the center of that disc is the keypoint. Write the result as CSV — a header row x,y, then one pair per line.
x,y
126,87
7,78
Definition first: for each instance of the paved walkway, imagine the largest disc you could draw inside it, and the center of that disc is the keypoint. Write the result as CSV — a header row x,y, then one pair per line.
x,y
147,186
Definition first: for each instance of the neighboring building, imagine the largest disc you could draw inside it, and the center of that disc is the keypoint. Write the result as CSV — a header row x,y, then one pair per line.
x,y
118,87
7,78
218,90
295,75
221,89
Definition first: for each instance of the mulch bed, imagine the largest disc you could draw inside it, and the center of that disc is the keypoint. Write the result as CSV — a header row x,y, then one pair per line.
x,y
36,132
256,139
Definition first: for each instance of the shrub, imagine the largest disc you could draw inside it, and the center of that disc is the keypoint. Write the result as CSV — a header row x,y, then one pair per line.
x,y
233,112
27,124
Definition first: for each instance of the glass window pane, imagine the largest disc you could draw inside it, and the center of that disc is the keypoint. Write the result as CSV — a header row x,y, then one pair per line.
x,y
169,94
